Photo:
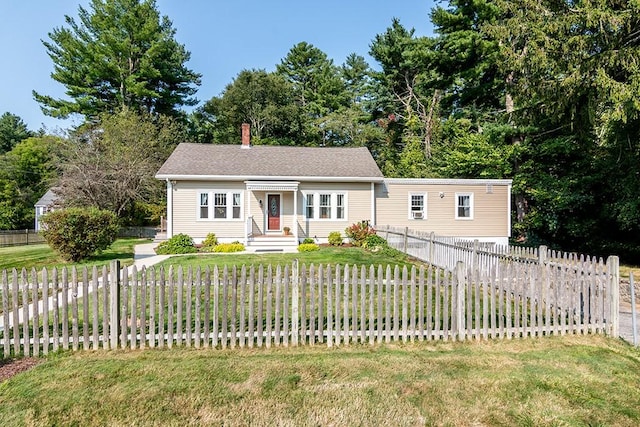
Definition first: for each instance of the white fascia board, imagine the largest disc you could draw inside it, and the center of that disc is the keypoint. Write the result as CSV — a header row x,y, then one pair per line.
x,y
268,178
446,181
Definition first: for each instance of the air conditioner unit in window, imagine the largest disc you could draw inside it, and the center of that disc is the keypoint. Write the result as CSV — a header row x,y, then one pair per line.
x,y
416,214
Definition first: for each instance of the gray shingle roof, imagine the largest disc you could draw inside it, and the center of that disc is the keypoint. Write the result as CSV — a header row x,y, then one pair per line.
x,y
48,199
213,160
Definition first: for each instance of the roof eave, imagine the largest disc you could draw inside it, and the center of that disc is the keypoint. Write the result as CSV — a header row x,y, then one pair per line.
x,y
180,177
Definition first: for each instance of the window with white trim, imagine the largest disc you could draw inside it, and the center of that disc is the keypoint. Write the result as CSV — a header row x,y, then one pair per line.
x,y
204,205
339,206
464,205
219,205
309,211
417,205
236,205
325,206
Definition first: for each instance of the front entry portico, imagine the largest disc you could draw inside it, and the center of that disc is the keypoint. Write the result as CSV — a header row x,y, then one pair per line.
x,y
277,210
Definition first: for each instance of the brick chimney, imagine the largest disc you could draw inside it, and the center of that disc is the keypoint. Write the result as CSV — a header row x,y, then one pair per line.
x,y
246,135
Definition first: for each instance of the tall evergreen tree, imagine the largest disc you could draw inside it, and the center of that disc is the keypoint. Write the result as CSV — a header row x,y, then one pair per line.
x,y
12,131
118,54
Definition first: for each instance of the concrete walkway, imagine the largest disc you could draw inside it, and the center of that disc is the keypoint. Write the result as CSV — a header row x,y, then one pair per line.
x,y
144,255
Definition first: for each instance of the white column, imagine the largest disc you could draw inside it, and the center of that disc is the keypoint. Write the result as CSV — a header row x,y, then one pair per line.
x,y
169,209
295,214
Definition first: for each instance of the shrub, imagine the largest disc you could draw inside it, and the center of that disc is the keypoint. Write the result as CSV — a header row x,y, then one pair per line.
x,y
374,241
229,247
178,244
209,242
335,238
359,231
77,233
308,247
308,240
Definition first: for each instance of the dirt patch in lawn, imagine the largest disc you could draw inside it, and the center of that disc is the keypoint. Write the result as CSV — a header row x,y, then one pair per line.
x,y
11,367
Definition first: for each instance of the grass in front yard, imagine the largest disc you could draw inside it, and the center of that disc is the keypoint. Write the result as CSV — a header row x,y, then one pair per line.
x,y
326,255
570,380
42,255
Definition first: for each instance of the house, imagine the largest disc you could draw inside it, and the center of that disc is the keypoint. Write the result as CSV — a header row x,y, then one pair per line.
x,y
254,194
45,204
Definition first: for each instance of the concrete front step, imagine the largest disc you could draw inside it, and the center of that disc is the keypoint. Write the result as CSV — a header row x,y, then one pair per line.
x,y
266,243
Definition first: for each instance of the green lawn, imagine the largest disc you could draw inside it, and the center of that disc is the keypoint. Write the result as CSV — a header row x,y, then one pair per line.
x,y
571,380
326,255
40,256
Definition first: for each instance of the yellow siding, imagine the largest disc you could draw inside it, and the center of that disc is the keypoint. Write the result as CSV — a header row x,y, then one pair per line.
x,y
490,211
185,205
358,207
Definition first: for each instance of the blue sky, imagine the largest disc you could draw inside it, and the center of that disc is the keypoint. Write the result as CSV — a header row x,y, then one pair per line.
x,y
224,37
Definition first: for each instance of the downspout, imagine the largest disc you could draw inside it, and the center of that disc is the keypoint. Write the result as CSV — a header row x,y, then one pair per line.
x,y
169,209
373,204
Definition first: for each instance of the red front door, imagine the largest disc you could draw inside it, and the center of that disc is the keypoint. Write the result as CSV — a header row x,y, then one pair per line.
x,y
273,212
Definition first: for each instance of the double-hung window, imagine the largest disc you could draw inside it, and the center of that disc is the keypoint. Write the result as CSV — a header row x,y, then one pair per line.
x,y
219,205
309,211
325,206
204,205
417,205
339,206
464,205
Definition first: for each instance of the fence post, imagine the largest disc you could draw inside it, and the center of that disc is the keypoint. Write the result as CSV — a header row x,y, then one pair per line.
x,y
406,239
114,304
634,321
613,270
460,301
294,303
474,255
432,237
542,255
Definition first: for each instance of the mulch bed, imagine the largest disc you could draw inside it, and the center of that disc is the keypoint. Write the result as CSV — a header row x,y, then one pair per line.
x,y
11,367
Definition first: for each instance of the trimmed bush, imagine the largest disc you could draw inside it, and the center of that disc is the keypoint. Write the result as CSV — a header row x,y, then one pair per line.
x,y
335,238
358,232
308,247
78,233
308,240
209,242
374,241
229,247
178,244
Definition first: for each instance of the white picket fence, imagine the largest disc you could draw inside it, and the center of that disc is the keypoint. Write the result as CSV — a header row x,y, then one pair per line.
x,y
300,305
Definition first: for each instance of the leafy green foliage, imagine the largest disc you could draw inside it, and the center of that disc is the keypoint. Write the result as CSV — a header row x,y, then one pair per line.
x,y
209,243
359,232
308,247
78,233
178,244
264,100
308,240
373,240
229,247
335,238
119,54
26,173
